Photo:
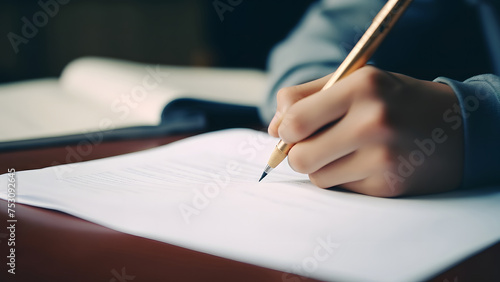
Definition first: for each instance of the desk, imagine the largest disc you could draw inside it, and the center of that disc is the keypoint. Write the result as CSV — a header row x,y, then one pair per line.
x,y
53,246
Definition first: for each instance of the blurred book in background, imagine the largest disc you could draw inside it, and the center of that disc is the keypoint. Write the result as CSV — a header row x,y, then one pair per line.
x,y
112,99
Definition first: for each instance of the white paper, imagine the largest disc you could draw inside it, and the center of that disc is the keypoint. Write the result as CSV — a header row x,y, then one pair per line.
x,y
202,193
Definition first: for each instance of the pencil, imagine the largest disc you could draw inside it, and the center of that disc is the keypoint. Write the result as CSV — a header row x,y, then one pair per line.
x,y
357,58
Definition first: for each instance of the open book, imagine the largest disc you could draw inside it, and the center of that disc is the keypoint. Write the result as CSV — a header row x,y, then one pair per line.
x,y
202,193
124,98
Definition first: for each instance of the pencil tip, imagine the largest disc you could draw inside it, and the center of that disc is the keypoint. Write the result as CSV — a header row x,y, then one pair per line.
x,y
264,174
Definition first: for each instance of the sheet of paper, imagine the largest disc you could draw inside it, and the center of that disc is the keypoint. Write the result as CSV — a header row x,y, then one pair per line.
x,y
202,193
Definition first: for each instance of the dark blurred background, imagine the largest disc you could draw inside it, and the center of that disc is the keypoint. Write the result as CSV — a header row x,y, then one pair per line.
x,y
171,32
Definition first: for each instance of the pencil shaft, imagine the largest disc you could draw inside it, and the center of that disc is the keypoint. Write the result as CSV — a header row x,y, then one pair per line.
x,y
371,39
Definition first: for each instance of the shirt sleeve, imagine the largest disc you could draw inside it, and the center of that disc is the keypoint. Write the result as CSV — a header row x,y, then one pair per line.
x,y
479,116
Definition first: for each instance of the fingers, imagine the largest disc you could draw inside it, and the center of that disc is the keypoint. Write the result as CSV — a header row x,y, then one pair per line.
x,y
362,172
324,147
341,134
362,133
290,95
313,112
365,124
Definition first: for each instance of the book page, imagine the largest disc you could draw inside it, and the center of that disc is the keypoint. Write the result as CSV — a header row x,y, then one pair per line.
x,y
141,91
202,193
41,108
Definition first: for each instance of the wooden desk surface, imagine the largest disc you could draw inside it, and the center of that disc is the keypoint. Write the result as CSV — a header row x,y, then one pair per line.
x,y
53,246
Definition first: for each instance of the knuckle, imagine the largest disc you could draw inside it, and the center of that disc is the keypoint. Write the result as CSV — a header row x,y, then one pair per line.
x,y
286,94
372,77
375,123
292,127
378,84
300,160
282,93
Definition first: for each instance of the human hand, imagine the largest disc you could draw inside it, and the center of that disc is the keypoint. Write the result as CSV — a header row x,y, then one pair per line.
x,y
373,132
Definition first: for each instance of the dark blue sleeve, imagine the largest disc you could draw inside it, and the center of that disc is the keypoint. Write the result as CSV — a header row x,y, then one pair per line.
x,y
479,101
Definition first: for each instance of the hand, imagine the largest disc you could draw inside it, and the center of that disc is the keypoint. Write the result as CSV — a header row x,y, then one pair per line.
x,y
373,132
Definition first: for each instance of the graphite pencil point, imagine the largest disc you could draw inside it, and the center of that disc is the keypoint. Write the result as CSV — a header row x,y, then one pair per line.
x,y
264,174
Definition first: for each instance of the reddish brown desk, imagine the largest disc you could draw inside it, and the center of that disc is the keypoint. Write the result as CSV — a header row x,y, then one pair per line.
x,y
52,246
